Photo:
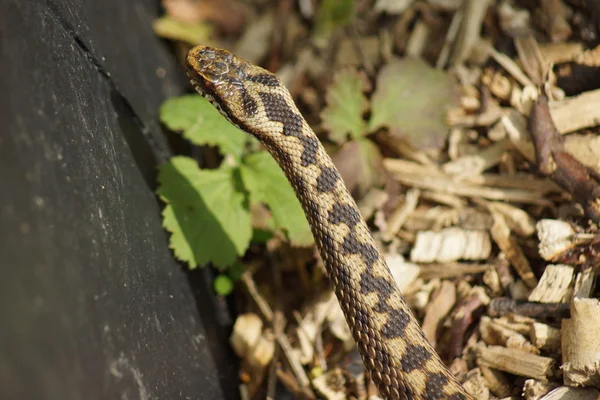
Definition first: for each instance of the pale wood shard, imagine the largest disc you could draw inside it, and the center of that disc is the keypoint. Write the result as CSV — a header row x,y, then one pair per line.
x,y
545,337
531,59
516,322
535,390
469,30
496,381
516,362
577,112
570,393
493,333
475,384
585,148
330,385
247,330
451,270
516,181
263,351
507,243
311,323
450,244
581,343
511,67
555,285
404,273
432,179
584,283
555,237
372,201
400,214
475,164
518,220
515,125
561,52
440,305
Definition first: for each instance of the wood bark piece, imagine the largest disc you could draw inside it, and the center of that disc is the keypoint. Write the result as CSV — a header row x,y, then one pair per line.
x,y
516,362
555,285
581,343
554,161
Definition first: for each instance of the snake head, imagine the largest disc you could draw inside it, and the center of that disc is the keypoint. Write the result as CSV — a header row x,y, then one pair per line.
x,y
220,77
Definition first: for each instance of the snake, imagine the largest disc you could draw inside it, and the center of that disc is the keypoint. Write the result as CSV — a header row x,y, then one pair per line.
x,y
400,360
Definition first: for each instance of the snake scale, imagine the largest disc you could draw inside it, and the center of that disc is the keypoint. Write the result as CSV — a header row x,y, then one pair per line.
x,y
399,358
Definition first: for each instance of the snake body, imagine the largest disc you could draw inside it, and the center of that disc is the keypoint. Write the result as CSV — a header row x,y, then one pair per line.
x,y
399,358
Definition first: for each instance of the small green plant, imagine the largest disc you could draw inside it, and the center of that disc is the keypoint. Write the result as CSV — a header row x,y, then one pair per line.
x,y
207,211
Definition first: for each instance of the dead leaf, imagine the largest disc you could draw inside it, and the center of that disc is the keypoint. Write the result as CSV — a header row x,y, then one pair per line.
x,y
411,99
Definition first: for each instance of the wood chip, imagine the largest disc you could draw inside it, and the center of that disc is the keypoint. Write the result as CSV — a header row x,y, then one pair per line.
x,y
450,244
569,393
545,337
404,273
535,390
432,179
497,382
577,112
400,214
493,333
556,237
555,285
501,234
440,305
452,270
475,384
475,164
581,343
516,362
330,385
247,330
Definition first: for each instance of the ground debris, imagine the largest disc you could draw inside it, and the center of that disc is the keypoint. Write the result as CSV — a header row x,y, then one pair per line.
x,y
468,133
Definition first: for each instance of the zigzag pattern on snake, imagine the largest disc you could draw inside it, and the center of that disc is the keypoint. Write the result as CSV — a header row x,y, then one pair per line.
x,y
401,361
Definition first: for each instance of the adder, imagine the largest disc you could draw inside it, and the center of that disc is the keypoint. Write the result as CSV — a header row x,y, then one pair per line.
x,y
393,347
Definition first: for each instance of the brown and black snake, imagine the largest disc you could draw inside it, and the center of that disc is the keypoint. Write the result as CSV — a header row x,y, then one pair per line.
x,y
399,358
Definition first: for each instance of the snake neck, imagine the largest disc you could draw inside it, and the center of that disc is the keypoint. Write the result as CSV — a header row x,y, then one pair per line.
x,y
401,361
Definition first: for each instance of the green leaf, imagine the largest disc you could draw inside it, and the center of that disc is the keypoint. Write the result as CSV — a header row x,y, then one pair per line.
x,y
267,184
206,213
236,271
411,99
346,104
223,285
331,15
202,124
